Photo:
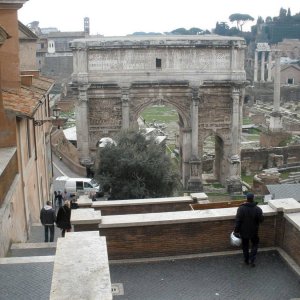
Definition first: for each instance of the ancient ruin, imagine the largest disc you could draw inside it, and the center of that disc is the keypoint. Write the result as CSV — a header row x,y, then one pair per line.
x,y
202,77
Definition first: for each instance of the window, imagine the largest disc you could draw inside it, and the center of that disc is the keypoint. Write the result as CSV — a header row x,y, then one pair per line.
x,y
87,185
28,138
158,63
79,185
42,45
290,81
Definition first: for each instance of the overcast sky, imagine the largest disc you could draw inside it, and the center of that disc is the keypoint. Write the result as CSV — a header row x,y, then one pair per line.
x,y
121,17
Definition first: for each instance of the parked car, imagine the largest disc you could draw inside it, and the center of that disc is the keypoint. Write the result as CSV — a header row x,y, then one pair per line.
x,y
77,186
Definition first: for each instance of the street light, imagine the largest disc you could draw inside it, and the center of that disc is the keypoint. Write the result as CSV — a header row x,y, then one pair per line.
x,y
55,113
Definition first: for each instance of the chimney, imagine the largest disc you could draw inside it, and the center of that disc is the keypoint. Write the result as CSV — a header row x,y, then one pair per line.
x,y
26,80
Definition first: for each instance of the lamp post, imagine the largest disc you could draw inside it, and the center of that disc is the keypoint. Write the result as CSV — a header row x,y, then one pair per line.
x,y
55,113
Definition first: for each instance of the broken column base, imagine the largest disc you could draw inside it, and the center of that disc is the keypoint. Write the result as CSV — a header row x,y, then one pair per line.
x,y
195,185
234,186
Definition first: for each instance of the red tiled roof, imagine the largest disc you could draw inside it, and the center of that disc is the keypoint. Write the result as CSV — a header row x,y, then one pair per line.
x,y
26,101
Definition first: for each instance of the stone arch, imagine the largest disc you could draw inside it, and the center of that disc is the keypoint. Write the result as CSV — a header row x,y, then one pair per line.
x,y
219,153
202,77
183,115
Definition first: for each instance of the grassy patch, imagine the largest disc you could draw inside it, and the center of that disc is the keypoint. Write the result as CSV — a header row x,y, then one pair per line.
x,y
248,179
284,175
253,138
162,114
247,121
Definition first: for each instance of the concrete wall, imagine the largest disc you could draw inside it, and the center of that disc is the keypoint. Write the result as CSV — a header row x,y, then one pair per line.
x,y
8,174
13,226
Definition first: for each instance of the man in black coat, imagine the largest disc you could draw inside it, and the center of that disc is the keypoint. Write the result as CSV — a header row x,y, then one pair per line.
x,y
247,221
48,217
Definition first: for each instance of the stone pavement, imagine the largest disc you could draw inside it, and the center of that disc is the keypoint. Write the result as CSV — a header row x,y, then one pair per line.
x,y
202,278
209,278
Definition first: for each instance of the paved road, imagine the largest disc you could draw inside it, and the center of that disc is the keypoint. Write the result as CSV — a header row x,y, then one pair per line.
x,y
60,169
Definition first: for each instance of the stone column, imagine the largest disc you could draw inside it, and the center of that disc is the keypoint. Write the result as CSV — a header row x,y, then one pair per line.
x,y
262,67
269,66
277,82
235,127
186,154
195,180
195,122
125,108
82,126
275,116
255,66
234,179
80,65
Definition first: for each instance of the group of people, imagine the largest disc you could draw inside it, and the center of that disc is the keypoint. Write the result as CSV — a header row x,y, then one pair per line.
x,y
48,218
60,197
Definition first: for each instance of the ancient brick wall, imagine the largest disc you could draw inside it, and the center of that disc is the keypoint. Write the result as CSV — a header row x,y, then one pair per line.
x,y
177,239
291,241
254,160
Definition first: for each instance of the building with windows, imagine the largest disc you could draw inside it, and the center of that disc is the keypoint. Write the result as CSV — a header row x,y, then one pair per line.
x,y
25,153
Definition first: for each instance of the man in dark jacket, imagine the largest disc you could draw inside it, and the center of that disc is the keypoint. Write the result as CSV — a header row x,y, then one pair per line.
x,y
247,221
48,217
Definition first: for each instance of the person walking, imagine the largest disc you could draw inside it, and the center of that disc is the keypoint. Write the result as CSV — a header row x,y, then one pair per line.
x,y
59,198
47,217
63,220
248,218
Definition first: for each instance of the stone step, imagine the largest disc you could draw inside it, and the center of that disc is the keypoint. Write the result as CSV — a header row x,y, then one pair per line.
x,y
32,249
26,260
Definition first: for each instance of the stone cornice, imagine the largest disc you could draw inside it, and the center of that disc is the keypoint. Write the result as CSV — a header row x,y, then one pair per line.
x,y
174,41
11,4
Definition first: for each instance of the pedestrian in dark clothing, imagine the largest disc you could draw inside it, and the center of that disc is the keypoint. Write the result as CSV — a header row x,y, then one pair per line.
x,y
55,197
59,198
247,221
47,217
63,220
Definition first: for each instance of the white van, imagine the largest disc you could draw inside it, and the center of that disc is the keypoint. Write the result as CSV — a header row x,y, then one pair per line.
x,y
77,186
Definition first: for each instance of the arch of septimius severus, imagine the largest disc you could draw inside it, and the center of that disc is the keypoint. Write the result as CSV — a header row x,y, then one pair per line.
x,y
202,77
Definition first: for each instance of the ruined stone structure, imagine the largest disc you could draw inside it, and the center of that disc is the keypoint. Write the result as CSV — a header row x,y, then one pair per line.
x,y
262,52
202,77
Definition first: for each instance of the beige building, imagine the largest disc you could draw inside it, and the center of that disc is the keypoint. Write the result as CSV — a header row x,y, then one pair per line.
x,y
290,74
28,42
25,157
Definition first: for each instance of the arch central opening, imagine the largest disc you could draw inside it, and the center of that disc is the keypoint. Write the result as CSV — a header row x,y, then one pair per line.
x,y
213,153
162,121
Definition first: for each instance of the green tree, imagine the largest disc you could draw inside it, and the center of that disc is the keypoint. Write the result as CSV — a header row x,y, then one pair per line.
x,y
136,167
180,31
240,20
222,28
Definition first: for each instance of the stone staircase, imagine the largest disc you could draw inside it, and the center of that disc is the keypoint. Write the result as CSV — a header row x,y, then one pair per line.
x,y
26,272
74,267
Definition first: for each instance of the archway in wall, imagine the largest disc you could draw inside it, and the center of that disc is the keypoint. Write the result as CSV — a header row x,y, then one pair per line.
x,y
212,158
176,112
162,122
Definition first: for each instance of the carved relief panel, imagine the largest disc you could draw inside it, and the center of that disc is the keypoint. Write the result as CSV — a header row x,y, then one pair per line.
x,y
105,118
